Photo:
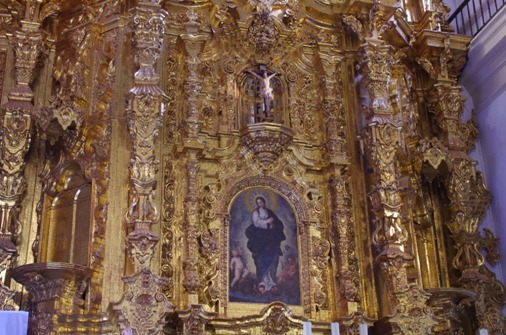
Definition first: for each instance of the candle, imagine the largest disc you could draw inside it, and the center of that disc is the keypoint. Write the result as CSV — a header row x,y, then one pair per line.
x,y
334,328
363,329
306,327
483,332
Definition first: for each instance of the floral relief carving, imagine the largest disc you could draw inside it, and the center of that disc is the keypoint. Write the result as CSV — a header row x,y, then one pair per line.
x,y
263,33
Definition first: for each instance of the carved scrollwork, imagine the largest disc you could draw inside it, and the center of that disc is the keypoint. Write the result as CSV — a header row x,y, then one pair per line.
x,y
343,241
143,307
321,250
276,322
263,33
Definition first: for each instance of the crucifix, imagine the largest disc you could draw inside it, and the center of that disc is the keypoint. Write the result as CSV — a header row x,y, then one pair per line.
x,y
266,92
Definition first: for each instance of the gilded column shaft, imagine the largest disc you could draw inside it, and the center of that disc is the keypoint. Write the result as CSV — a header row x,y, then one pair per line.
x,y
192,280
468,202
144,120
383,136
144,307
194,42
16,130
332,104
342,219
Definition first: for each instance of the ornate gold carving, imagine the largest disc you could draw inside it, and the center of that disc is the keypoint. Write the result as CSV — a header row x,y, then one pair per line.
x,y
194,319
384,134
192,281
15,130
353,321
314,161
413,315
449,305
263,33
3,57
277,322
343,240
143,308
321,249
267,141
145,113
6,299
169,220
193,45
276,318
54,288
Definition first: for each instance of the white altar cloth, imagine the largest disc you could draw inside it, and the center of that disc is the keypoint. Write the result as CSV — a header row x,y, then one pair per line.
x,y
13,323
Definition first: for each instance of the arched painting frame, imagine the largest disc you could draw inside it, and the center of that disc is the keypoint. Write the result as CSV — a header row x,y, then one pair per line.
x,y
247,255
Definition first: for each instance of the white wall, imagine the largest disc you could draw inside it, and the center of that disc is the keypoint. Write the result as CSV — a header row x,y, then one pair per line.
x,y
484,78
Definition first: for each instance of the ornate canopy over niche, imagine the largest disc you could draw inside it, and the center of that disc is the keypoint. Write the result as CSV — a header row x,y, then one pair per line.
x,y
337,123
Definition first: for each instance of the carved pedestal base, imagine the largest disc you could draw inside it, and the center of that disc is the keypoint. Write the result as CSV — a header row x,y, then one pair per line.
x,y
195,319
412,315
55,288
143,308
352,323
266,141
448,305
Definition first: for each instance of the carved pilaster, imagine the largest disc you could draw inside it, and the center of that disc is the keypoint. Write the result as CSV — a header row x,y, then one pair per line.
x,y
347,274
144,307
332,104
15,132
383,136
468,202
194,42
192,281
145,114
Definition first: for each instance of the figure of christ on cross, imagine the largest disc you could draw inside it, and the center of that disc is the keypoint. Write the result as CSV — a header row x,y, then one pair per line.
x,y
266,92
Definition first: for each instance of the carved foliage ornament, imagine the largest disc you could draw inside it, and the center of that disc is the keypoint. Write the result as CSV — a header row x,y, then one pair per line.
x,y
413,315
149,27
342,219
27,45
277,321
263,33
143,307
6,299
267,141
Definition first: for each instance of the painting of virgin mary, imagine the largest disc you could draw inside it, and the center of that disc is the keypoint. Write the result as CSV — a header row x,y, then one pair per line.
x,y
263,249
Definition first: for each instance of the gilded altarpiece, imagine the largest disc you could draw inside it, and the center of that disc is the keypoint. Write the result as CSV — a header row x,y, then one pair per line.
x,y
227,167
